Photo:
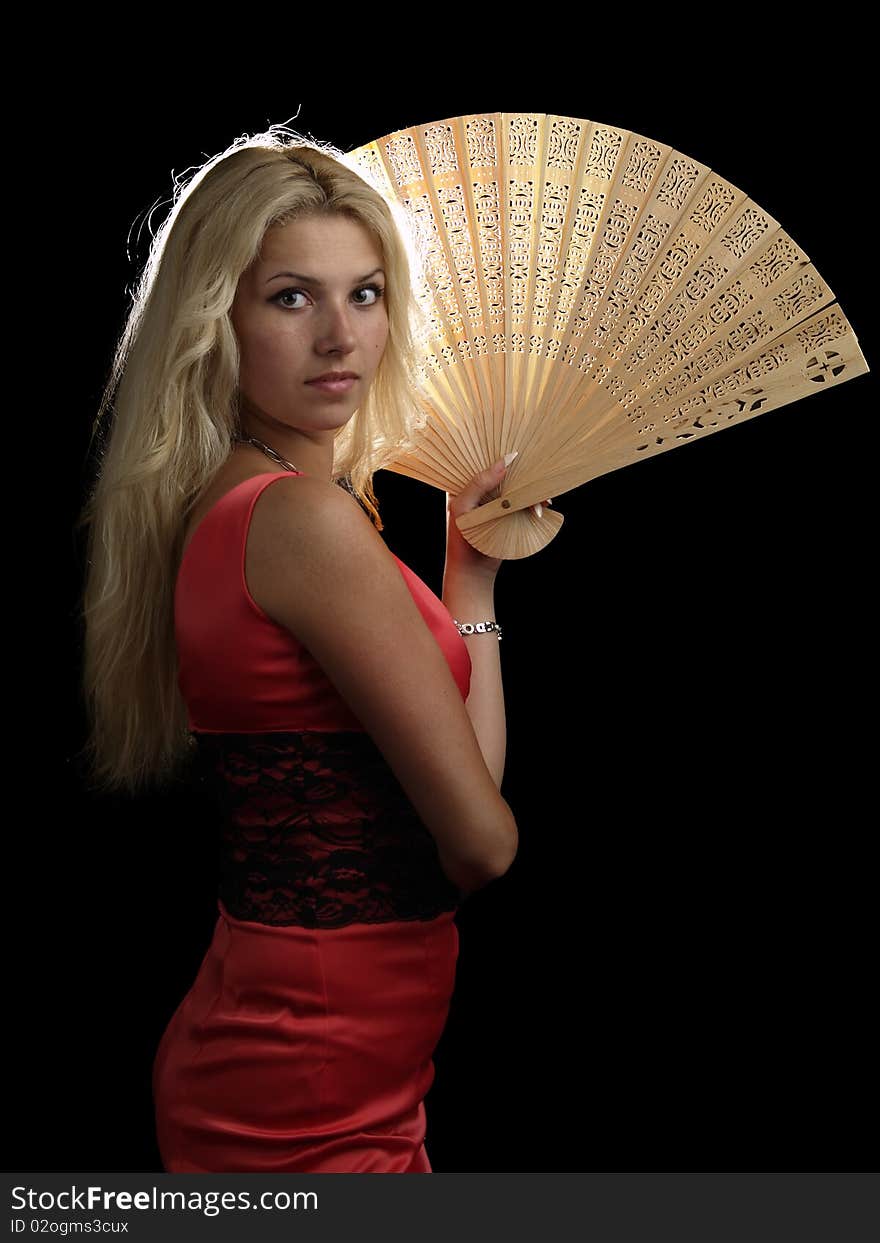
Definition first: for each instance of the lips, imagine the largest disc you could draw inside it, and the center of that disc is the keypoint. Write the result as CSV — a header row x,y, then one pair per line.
x,y
332,377
334,386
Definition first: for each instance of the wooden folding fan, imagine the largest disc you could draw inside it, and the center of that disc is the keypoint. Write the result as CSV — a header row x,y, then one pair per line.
x,y
591,298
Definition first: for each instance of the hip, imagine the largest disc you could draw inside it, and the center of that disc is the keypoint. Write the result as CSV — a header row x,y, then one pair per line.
x,y
327,1017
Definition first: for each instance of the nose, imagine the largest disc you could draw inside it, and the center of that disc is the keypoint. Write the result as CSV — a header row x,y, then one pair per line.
x,y
334,330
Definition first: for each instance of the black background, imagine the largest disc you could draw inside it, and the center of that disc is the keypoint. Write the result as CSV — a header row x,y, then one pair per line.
x,y
674,974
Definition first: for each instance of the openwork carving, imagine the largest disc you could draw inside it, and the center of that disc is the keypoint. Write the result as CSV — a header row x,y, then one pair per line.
x,y
591,297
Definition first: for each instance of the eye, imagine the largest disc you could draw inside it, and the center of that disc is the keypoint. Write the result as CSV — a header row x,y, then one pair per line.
x,y
378,290
285,293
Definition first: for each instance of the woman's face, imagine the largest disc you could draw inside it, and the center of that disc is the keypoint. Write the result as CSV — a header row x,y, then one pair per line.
x,y
311,303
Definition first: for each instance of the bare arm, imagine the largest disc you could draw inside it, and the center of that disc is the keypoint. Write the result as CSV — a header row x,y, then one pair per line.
x,y
474,600
469,594
317,566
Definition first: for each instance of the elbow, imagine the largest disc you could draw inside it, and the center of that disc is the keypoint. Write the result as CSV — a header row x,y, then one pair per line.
x,y
476,880
503,862
472,875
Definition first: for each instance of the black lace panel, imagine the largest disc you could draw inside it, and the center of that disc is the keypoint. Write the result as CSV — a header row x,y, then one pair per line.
x,y
316,830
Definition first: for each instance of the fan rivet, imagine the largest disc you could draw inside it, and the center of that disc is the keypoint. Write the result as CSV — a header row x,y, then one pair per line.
x,y
505,504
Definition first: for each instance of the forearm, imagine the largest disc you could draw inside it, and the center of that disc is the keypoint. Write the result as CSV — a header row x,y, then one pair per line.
x,y
471,600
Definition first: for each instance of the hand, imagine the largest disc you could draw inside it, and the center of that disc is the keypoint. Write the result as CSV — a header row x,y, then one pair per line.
x,y
460,554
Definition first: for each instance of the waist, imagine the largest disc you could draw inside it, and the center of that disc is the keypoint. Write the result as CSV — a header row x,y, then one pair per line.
x,y
316,831
441,929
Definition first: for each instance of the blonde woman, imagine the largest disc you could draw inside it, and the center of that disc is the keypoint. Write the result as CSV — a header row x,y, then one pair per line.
x,y
244,620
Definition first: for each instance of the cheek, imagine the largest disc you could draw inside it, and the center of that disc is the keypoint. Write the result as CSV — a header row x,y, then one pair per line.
x,y
270,351
380,337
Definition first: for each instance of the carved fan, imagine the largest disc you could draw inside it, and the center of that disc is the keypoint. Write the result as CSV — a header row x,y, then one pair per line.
x,y
591,297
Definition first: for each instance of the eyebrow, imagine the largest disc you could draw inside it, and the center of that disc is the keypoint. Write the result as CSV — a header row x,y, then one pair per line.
x,y
313,280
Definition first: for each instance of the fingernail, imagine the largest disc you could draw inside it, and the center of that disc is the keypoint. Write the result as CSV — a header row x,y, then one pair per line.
x,y
508,457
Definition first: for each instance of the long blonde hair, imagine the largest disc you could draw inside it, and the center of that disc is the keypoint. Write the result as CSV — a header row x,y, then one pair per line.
x,y
166,423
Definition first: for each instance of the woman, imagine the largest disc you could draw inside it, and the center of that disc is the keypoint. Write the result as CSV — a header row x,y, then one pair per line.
x,y
242,613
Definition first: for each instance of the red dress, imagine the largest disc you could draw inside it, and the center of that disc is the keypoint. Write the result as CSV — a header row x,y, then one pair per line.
x,y
305,1043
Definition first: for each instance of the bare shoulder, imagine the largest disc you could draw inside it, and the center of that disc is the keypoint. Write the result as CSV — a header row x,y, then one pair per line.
x,y
302,530
301,505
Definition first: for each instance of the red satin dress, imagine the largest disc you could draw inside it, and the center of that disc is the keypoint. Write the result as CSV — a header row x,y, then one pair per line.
x,y
305,1042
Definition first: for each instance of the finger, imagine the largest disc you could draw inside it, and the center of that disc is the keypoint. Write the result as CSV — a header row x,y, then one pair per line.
x,y
486,480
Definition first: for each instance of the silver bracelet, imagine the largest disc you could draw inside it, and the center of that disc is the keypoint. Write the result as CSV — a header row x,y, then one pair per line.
x,y
485,627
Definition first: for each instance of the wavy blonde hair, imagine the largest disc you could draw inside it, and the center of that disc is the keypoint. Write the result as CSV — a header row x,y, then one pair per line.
x,y
166,423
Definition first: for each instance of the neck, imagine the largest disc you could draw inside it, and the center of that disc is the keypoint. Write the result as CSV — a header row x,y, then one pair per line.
x,y
309,452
